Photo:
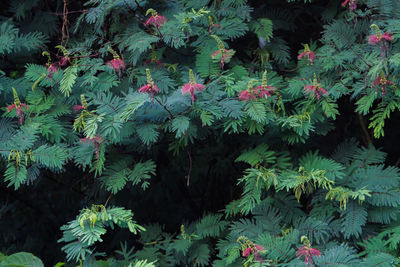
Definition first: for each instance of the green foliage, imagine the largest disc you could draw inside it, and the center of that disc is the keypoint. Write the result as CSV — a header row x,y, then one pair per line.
x,y
21,259
98,107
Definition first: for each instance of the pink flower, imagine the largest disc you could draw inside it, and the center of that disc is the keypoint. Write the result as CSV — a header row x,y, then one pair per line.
x,y
308,254
310,55
155,20
50,70
77,108
149,88
117,64
10,107
223,57
374,39
352,4
265,90
317,91
247,95
191,88
246,252
253,249
383,82
18,111
63,61
307,53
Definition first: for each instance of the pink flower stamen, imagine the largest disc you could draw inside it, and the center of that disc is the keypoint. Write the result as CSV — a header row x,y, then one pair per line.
x,y
308,254
155,20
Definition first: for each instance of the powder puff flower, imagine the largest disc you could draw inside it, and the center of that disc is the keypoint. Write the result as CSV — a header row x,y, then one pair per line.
x,y
315,89
51,69
150,87
117,64
222,55
63,61
307,251
77,108
253,249
18,107
378,36
155,19
383,82
352,4
247,95
265,90
257,92
375,38
192,86
307,53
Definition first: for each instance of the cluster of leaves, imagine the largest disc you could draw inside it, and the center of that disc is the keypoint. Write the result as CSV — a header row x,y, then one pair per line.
x,y
111,106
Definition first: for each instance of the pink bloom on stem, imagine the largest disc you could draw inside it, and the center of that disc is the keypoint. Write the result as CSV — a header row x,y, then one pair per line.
x,y
246,95
383,82
191,88
117,64
155,20
10,107
63,61
265,90
225,56
246,252
374,39
50,70
77,108
317,91
149,88
352,4
253,249
310,55
307,53
308,254
18,111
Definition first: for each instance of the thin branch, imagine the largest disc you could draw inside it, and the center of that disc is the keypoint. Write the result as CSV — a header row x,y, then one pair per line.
x,y
161,104
364,128
190,168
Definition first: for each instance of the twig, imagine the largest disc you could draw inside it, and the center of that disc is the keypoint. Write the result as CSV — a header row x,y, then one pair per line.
x,y
64,28
190,168
364,128
161,104
105,204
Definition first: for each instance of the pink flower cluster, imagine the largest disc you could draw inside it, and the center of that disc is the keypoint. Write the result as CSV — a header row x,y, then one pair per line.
x,y
375,38
191,88
150,88
308,254
310,56
256,92
352,4
117,64
307,53
77,108
223,55
253,249
18,110
317,90
383,83
155,20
